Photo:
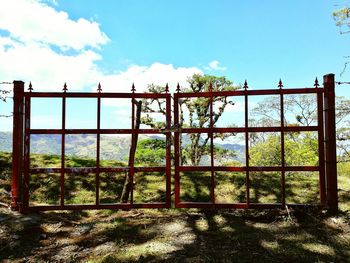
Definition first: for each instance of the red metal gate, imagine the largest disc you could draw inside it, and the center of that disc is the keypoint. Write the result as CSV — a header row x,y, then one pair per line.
x,y
326,146
325,128
21,149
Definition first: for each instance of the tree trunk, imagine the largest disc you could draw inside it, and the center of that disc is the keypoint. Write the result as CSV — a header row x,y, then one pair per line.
x,y
128,182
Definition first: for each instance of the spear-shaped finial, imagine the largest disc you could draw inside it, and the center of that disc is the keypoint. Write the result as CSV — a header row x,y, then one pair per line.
x,y
280,84
30,87
65,87
245,86
316,83
99,89
167,88
133,89
178,89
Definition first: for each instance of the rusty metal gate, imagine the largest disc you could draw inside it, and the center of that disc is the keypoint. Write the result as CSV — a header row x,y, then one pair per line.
x,y
325,130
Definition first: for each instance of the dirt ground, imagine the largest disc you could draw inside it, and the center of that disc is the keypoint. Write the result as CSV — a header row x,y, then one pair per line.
x,y
173,235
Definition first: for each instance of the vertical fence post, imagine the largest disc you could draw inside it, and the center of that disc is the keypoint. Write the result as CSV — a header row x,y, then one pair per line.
x,y
330,143
17,143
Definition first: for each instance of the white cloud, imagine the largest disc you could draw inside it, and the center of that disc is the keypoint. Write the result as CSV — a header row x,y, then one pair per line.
x,y
66,50
45,67
141,76
35,21
43,45
214,65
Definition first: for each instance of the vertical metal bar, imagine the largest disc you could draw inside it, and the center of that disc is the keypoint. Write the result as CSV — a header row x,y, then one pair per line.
x,y
63,142
330,139
26,175
176,150
283,179
321,162
246,120
17,143
131,169
168,151
211,134
98,139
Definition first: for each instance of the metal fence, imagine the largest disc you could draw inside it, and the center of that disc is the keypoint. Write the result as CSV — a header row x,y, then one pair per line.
x,y
325,129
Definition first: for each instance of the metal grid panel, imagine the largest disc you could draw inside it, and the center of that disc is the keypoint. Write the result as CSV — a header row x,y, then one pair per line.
x,y
283,168
98,131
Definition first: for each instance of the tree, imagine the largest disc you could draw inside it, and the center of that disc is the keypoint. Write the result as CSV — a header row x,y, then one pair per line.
x,y
342,20
343,128
300,149
197,110
151,151
299,110
303,108
3,97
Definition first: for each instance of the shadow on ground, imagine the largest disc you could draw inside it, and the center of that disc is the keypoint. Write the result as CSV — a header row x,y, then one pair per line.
x,y
175,236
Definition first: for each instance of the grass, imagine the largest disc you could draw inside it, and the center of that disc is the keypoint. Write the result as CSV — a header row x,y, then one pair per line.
x,y
174,235
265,187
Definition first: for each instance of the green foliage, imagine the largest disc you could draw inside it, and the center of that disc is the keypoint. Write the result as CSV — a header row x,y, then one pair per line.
x,y
151,152
342,17
267,152
300,149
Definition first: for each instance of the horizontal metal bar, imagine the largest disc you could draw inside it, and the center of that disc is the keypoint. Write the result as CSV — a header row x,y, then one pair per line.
x,y
164,205
181,169
95,95
286,169
250,129
165,95
94,169
209,205
209,168
228,205
194,205
97,207
249,92
251,168
96,131
151,205
78,207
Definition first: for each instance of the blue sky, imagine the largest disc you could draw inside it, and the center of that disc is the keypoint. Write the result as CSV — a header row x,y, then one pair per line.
x,y
116,43
258,40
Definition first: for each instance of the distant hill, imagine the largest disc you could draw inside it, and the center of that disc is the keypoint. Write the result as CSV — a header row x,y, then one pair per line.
x,y
5,141
80,145
84,145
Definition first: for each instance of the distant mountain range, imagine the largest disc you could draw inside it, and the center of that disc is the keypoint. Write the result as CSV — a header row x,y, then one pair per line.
x,y
84,145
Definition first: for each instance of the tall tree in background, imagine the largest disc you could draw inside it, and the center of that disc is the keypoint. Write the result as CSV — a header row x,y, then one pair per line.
x,y
342,20
193,112
302,110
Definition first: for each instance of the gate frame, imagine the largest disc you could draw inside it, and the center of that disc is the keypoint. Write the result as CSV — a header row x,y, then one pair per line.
x,y
21,152
21,146
326,144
